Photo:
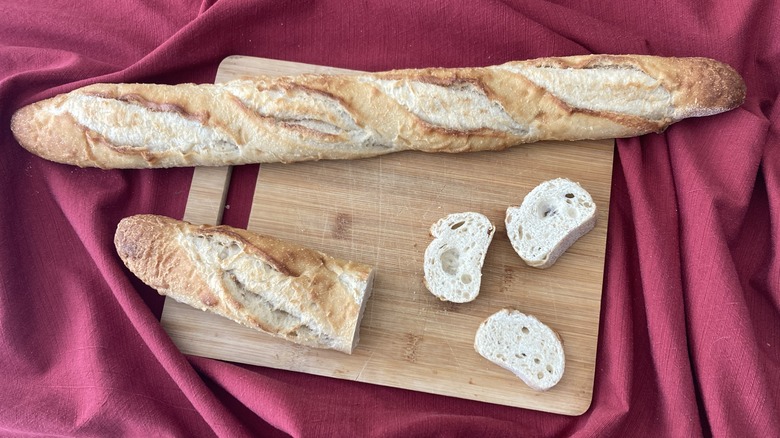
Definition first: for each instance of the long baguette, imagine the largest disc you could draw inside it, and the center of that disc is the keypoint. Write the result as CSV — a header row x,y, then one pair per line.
x,y
312,117
286,290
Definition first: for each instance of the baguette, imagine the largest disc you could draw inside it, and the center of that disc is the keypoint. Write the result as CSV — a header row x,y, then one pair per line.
x,y
312,117
279,288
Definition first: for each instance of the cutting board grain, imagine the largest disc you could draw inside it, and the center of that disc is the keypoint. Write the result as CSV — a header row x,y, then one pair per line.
x,y
379,211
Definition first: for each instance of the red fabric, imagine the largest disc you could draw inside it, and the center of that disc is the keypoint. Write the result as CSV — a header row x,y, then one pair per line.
x,y
690,333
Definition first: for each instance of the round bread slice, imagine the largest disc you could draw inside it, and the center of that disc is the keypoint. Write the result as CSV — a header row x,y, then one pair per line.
x,y
523,345
550,219
454,259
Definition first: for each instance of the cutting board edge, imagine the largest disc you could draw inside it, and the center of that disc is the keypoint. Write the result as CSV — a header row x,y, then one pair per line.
x,y
577,406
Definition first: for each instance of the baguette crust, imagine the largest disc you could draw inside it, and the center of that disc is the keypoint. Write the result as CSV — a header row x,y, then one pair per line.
x,y
279,288
312,117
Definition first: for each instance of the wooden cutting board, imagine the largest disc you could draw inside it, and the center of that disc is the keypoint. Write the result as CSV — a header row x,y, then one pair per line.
x,y
379,211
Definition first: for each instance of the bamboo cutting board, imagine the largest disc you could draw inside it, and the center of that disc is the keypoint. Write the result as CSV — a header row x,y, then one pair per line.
x,y
379,211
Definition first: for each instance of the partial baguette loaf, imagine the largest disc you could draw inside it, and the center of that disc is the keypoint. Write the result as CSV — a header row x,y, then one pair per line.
x,y
523,345
552,216
453,260
286,290
312,117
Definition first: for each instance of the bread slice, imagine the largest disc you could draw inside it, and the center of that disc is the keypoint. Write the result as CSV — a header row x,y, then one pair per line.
x,y
454,259
280,288
523,345
550,219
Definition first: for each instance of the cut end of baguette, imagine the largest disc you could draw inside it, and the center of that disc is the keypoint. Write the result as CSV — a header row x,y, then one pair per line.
x,y
454,259
550,219
523,345
286,290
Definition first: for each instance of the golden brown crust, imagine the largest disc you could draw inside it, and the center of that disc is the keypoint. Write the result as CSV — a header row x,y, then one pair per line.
x,y
277,287
55,138
312,117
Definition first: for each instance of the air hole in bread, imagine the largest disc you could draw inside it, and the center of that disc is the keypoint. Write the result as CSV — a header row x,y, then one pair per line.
x,y
546,210
549,368
457,225
536,360
524,235
569,195
524,330
450,261
465,278
229,251
540,375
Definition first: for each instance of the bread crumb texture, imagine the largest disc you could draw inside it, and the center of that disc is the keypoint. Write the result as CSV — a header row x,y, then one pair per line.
x,y
553,216
454,259
523,345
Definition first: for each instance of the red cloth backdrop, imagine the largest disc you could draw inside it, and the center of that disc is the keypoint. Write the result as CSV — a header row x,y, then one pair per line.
x,y
690,333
